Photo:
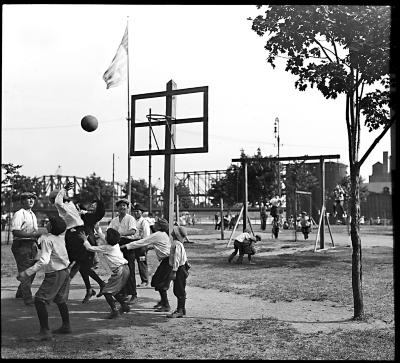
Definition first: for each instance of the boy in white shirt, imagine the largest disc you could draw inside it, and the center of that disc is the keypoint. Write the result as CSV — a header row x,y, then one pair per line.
x,y
160,241
55,286
115,260
180,267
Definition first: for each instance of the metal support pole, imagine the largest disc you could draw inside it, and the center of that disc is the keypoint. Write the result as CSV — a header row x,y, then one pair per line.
x,y
222,219
150,191
113,191
322,181
245,194
177,209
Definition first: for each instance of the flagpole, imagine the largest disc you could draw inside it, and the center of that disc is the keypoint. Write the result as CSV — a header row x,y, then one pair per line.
x,y
129,121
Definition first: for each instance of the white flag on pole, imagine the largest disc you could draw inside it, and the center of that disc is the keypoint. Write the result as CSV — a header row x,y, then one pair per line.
x,y
118,69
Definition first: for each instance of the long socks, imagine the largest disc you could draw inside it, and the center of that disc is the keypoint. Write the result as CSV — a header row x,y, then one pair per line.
x,y
42,314
63,308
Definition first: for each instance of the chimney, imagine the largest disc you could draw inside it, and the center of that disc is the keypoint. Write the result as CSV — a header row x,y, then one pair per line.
x,y
385,163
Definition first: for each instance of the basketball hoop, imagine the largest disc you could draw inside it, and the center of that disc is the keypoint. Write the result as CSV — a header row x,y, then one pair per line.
x,y
158,117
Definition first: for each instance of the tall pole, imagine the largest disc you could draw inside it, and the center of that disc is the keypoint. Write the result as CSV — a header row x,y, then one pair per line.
x,y
245,195
222,218
276,130
169,159
129,121
112,213
150,192
322,179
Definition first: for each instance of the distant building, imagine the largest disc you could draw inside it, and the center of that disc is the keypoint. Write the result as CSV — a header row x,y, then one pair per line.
x,y
379,199
381,180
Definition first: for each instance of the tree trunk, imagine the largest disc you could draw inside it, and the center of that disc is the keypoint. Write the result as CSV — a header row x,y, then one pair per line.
x,y
356,243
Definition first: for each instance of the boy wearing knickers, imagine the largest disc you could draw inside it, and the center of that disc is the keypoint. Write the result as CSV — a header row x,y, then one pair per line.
x,y
180,267
160,241
55,286
115,260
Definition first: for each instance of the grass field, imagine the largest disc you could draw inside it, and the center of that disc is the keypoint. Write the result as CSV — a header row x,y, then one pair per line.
x,y
294,277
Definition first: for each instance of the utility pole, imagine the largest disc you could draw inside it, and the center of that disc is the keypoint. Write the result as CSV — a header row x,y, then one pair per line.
x,y
150,191
276,132
112,213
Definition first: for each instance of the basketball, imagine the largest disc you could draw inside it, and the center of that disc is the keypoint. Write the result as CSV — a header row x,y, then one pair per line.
x,y
89,123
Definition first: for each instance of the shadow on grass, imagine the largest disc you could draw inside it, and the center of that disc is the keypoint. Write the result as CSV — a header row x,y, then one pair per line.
x,y
20,323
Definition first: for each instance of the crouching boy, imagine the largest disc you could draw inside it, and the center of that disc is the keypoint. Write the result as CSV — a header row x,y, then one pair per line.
x,y
114,287
244,244
55,286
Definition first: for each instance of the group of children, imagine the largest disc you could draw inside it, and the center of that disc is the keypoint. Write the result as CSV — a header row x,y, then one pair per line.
x,y
61,255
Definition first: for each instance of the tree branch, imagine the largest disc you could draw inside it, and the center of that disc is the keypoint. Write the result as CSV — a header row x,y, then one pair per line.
x,y
323,49
375,142
348,130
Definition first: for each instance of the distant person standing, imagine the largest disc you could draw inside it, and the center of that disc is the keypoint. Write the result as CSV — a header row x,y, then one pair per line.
x,y
143,230
216,220
125,224
25,232
275,202
263,216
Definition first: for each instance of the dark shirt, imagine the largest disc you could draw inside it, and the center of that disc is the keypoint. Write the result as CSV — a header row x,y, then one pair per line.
x,y
91,218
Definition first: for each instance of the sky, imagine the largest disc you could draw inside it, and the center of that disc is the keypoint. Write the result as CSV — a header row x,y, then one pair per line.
x,y
54,57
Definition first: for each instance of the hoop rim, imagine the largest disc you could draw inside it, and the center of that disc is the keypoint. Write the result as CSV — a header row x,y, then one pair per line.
x,y
158,117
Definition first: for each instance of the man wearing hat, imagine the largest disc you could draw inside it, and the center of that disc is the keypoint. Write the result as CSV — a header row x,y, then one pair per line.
x,y
143,230
24,247
125,224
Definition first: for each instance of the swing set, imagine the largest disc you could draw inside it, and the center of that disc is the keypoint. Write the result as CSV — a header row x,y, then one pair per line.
x,y
322,215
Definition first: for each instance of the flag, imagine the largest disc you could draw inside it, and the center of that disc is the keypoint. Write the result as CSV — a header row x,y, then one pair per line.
x,y
117,72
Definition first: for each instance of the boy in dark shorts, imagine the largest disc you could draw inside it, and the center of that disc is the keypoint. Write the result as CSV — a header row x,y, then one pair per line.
x,y
55,286
180,269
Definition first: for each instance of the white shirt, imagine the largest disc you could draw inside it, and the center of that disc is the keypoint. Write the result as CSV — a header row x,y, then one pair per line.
x,y
112,254
159,240
54,256
143,228
67,210
275,201
177,255
25,221
127,223
243,236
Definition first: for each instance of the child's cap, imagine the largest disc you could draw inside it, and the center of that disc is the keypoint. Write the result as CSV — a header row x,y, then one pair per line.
x,y
163,224
179,233
26,195
122,200
58,225
112,236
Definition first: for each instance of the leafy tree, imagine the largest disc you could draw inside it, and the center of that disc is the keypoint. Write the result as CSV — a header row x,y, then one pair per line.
x,y
185,201
298,177
345,50
261,182
94,187
14,183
